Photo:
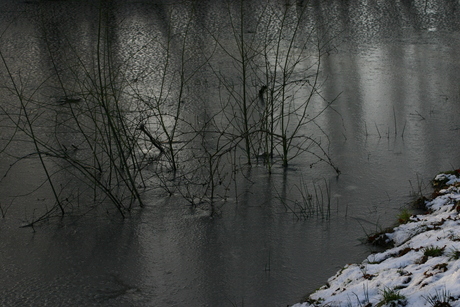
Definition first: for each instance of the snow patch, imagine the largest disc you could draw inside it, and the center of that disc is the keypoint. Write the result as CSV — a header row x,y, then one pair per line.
x,y
422,268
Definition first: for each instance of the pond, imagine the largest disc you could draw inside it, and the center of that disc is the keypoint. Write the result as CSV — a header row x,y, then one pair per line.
x,y
387,103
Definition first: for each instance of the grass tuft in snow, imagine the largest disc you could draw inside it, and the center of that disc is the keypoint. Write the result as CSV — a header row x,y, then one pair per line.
x,y
404,216
391,297
441,298
433,251
454,254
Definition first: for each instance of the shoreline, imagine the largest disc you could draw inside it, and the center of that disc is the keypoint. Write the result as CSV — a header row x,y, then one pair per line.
x,y
420,268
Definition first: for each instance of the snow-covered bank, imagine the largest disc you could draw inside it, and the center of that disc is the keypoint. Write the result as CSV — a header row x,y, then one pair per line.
x,y
422,269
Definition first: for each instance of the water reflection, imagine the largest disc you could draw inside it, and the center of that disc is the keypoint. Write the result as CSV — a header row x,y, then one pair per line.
x,y
393,68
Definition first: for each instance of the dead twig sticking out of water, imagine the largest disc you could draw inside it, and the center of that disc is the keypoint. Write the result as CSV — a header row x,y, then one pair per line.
x,y
404,129
417,113
378,131
102,111
394,116
154,141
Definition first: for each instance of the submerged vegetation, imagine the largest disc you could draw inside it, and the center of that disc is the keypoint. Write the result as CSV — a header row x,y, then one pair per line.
x,y
107,126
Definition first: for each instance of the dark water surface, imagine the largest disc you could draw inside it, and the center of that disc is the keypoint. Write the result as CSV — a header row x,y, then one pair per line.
x,y
394,68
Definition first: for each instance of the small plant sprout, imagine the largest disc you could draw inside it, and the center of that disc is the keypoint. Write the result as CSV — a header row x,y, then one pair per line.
x,y
454,254
391,297
440,298
366,292
433,251
404,216
359,302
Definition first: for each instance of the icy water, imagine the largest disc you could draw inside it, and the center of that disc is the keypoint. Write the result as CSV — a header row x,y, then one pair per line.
x,y
393,69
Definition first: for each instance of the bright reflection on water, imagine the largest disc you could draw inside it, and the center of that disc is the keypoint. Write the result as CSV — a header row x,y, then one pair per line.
x,y
393,67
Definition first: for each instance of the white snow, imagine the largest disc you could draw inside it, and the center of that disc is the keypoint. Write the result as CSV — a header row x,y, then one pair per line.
x,y
420,280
